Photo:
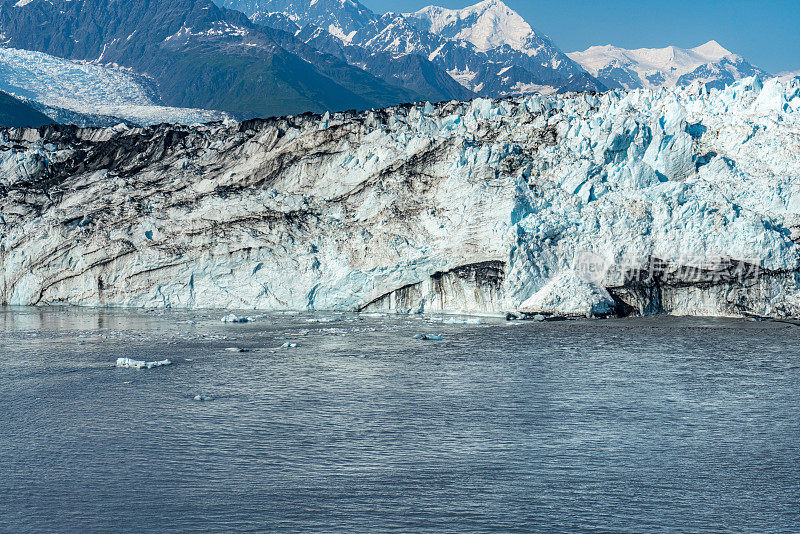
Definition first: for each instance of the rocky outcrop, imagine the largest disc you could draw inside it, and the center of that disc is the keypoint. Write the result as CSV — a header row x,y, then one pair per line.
x,y
640,202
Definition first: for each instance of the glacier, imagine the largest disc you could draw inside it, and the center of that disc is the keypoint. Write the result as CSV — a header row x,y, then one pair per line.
x,y
682,201
91,89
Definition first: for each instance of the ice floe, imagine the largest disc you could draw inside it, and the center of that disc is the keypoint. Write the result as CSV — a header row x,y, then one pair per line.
x,y
129,363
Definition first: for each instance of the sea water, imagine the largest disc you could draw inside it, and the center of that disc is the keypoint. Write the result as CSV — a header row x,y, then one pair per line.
x,y
348,423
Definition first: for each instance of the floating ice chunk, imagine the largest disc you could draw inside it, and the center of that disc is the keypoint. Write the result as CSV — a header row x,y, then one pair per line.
x,y
456,320
289,345
323,320
129,363
539,317
236,349
233,318
569,294
202,398
429,337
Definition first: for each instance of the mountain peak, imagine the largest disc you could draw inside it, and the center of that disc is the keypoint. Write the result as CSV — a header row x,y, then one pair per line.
x,y
487,25
712,50
487,4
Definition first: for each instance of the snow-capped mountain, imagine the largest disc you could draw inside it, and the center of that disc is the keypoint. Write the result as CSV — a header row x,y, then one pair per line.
x,y
788,75
709,63
341,17
488,48
497,53
199,55
89,89
671,200
487,25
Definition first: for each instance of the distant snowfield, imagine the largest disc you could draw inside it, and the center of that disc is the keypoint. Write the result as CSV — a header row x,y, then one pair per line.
x,y
90,88
660,67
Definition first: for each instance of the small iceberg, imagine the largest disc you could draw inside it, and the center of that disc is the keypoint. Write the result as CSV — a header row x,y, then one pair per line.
x,y
236,349
129,363
202,398
289,345
429,337
569,295
233,318
454,320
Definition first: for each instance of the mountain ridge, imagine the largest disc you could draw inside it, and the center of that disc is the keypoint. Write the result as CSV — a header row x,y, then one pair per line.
x,y
474,46
201,55
671,66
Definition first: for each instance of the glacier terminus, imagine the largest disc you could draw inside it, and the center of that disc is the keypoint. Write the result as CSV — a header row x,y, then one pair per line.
x,y
683,201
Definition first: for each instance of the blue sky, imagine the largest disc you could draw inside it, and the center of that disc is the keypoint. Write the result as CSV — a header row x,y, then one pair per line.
x,y
766,32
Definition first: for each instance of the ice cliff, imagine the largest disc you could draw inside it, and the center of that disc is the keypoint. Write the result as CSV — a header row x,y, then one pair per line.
x,y
676,201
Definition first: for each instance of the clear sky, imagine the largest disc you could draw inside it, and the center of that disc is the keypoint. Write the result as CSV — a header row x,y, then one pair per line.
x,y
765,32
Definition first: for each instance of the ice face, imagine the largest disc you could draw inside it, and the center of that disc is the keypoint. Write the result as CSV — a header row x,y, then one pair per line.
x,y
680,201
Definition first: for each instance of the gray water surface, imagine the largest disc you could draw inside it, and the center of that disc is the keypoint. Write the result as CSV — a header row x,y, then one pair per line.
x,y
643,425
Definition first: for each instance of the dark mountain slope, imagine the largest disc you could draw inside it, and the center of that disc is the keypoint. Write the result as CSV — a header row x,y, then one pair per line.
x,y
15,113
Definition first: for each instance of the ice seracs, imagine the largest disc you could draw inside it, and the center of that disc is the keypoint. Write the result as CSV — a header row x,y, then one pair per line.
x,y
682,201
